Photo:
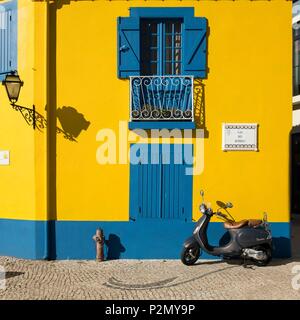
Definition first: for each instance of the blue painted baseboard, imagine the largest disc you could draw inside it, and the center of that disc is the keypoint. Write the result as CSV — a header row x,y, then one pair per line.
x,y
23,238
148,239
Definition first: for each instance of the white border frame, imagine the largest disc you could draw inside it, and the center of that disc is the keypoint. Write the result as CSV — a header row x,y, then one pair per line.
x,y
5,161
233,148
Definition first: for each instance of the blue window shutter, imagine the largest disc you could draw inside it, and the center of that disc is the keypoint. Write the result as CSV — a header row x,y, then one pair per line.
x,y
128,47
195,47
8,37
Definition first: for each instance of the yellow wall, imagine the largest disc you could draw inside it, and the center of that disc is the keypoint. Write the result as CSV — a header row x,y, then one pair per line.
x,y
249,80
22,186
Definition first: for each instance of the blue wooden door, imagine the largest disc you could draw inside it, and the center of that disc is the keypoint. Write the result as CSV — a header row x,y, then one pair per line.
x,y
161,190
149,184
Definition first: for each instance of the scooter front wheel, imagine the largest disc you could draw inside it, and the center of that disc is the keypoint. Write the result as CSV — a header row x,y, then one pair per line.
x,y
190,254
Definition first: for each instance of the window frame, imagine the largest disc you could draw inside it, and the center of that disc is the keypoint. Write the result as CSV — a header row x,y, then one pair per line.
x,y
164,14
161,47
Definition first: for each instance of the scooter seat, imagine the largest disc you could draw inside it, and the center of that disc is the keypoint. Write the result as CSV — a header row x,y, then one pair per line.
x,y
254,222
235,224
240,224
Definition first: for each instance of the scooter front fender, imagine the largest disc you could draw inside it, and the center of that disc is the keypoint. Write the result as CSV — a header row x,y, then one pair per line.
x,y
190,241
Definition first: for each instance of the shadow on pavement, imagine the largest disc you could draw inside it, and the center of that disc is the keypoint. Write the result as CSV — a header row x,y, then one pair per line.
x,y
11,274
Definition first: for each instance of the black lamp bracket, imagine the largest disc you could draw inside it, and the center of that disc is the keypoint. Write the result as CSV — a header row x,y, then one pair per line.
x,y
30,116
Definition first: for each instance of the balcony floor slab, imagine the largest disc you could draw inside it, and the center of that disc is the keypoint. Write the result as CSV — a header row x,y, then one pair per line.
x,y
161,125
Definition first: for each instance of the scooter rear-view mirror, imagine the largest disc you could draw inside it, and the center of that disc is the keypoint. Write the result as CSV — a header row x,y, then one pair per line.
x,y
229,205
221,204
202,195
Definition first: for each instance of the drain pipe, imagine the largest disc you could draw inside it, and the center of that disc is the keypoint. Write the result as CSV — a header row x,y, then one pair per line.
x,y
47,227
50,17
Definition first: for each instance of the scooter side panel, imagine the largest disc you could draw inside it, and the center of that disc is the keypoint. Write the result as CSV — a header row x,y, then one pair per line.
x,y
230,249
248,237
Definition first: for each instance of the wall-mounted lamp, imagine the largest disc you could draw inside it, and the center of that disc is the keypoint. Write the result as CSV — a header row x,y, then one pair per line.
x,y
13,86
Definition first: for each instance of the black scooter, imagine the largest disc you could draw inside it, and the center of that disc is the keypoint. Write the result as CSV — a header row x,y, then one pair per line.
x,y
249,239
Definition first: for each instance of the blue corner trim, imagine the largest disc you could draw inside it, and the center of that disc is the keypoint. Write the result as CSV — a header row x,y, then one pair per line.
x,y
161,125
129,240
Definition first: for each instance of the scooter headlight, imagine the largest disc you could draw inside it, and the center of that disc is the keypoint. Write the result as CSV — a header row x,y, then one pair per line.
x,y
202,208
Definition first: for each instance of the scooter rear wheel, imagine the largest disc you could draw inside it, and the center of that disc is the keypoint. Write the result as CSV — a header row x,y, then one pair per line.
x,y
268,258
189,255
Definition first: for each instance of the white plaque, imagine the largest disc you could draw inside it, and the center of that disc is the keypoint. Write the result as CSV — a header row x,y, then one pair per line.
x,y
4,158
239,136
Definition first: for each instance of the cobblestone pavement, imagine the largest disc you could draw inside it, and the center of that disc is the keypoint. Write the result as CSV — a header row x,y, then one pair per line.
x,y
146,279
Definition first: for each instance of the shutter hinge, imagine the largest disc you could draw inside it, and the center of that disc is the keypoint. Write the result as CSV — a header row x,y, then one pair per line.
x,y
208,31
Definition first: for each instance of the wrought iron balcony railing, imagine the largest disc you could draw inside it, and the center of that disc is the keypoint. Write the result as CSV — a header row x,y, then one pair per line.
x,y
167,98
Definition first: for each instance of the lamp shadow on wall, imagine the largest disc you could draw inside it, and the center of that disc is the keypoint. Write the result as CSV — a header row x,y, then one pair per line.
x,y
72,122
114,247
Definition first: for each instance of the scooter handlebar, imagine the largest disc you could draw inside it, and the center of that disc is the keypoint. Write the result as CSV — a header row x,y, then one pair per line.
x,y
219,214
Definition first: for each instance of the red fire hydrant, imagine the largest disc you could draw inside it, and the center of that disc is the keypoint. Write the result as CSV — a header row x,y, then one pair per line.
x,y
99,239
